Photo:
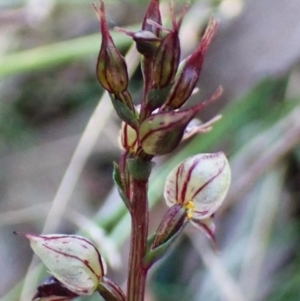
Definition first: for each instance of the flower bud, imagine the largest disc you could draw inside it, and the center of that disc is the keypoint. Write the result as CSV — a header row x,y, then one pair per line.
x,y
146,41
161,133
152,14
148,38
189,71
111,66
128,138
52,290
73,260
172,223
168,54
200,183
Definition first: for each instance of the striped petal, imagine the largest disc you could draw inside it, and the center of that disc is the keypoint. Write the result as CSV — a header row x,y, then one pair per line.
x,y
200,183
71,259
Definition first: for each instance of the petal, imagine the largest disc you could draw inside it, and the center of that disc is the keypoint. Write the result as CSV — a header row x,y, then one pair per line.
x,y
203,180
72,259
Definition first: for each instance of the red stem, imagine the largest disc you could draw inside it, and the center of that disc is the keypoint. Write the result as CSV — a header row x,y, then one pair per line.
x,y
139,233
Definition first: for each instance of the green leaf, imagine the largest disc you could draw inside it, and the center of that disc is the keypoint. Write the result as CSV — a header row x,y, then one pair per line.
x,y
118,182
124,112
110,291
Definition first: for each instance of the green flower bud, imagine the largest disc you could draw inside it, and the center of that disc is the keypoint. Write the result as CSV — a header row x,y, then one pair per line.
x,y
111,66
168,54
73,260
200,183
161,133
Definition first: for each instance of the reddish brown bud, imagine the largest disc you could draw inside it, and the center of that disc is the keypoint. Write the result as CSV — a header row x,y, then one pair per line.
x,y
111,66
161,133
146,41
168,54
166,60
189,72
172,223
152,14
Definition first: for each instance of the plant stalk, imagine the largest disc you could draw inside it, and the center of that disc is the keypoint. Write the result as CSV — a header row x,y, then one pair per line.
x,y
139,233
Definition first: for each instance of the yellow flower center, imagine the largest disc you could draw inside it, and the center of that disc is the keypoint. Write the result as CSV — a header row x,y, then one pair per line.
x,y
190,208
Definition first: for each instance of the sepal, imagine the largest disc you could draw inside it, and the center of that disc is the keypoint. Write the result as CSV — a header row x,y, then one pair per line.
x,y
110,291
172,222
208,227
52,290
73,260
111,66
146,41
124,112
152,14
128,138
189,71
167,56
161,133
196,127
118,181
168,231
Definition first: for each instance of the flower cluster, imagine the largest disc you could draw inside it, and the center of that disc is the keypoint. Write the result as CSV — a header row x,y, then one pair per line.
x,y
158,127
194,189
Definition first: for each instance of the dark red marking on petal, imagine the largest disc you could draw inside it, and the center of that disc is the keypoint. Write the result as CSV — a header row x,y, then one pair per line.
x,y
209,181
78,238
188,177
73,256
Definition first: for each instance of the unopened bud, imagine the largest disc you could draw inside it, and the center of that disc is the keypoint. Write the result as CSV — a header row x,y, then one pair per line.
x,y
200,184
146,41
111,66
128,138
161,133
152,14
73,260
189,71
168,54
172,223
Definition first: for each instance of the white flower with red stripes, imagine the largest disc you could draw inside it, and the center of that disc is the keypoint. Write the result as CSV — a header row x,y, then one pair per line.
x,y
73,260
200,184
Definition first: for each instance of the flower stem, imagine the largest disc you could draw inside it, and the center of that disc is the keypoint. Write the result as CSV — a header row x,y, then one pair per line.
x,y
139,219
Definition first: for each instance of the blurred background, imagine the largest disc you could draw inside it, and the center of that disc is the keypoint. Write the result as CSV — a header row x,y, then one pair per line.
x,y
58,139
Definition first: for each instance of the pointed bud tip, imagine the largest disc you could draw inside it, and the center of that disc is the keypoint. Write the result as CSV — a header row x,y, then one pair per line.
x,y
99,10
26,235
